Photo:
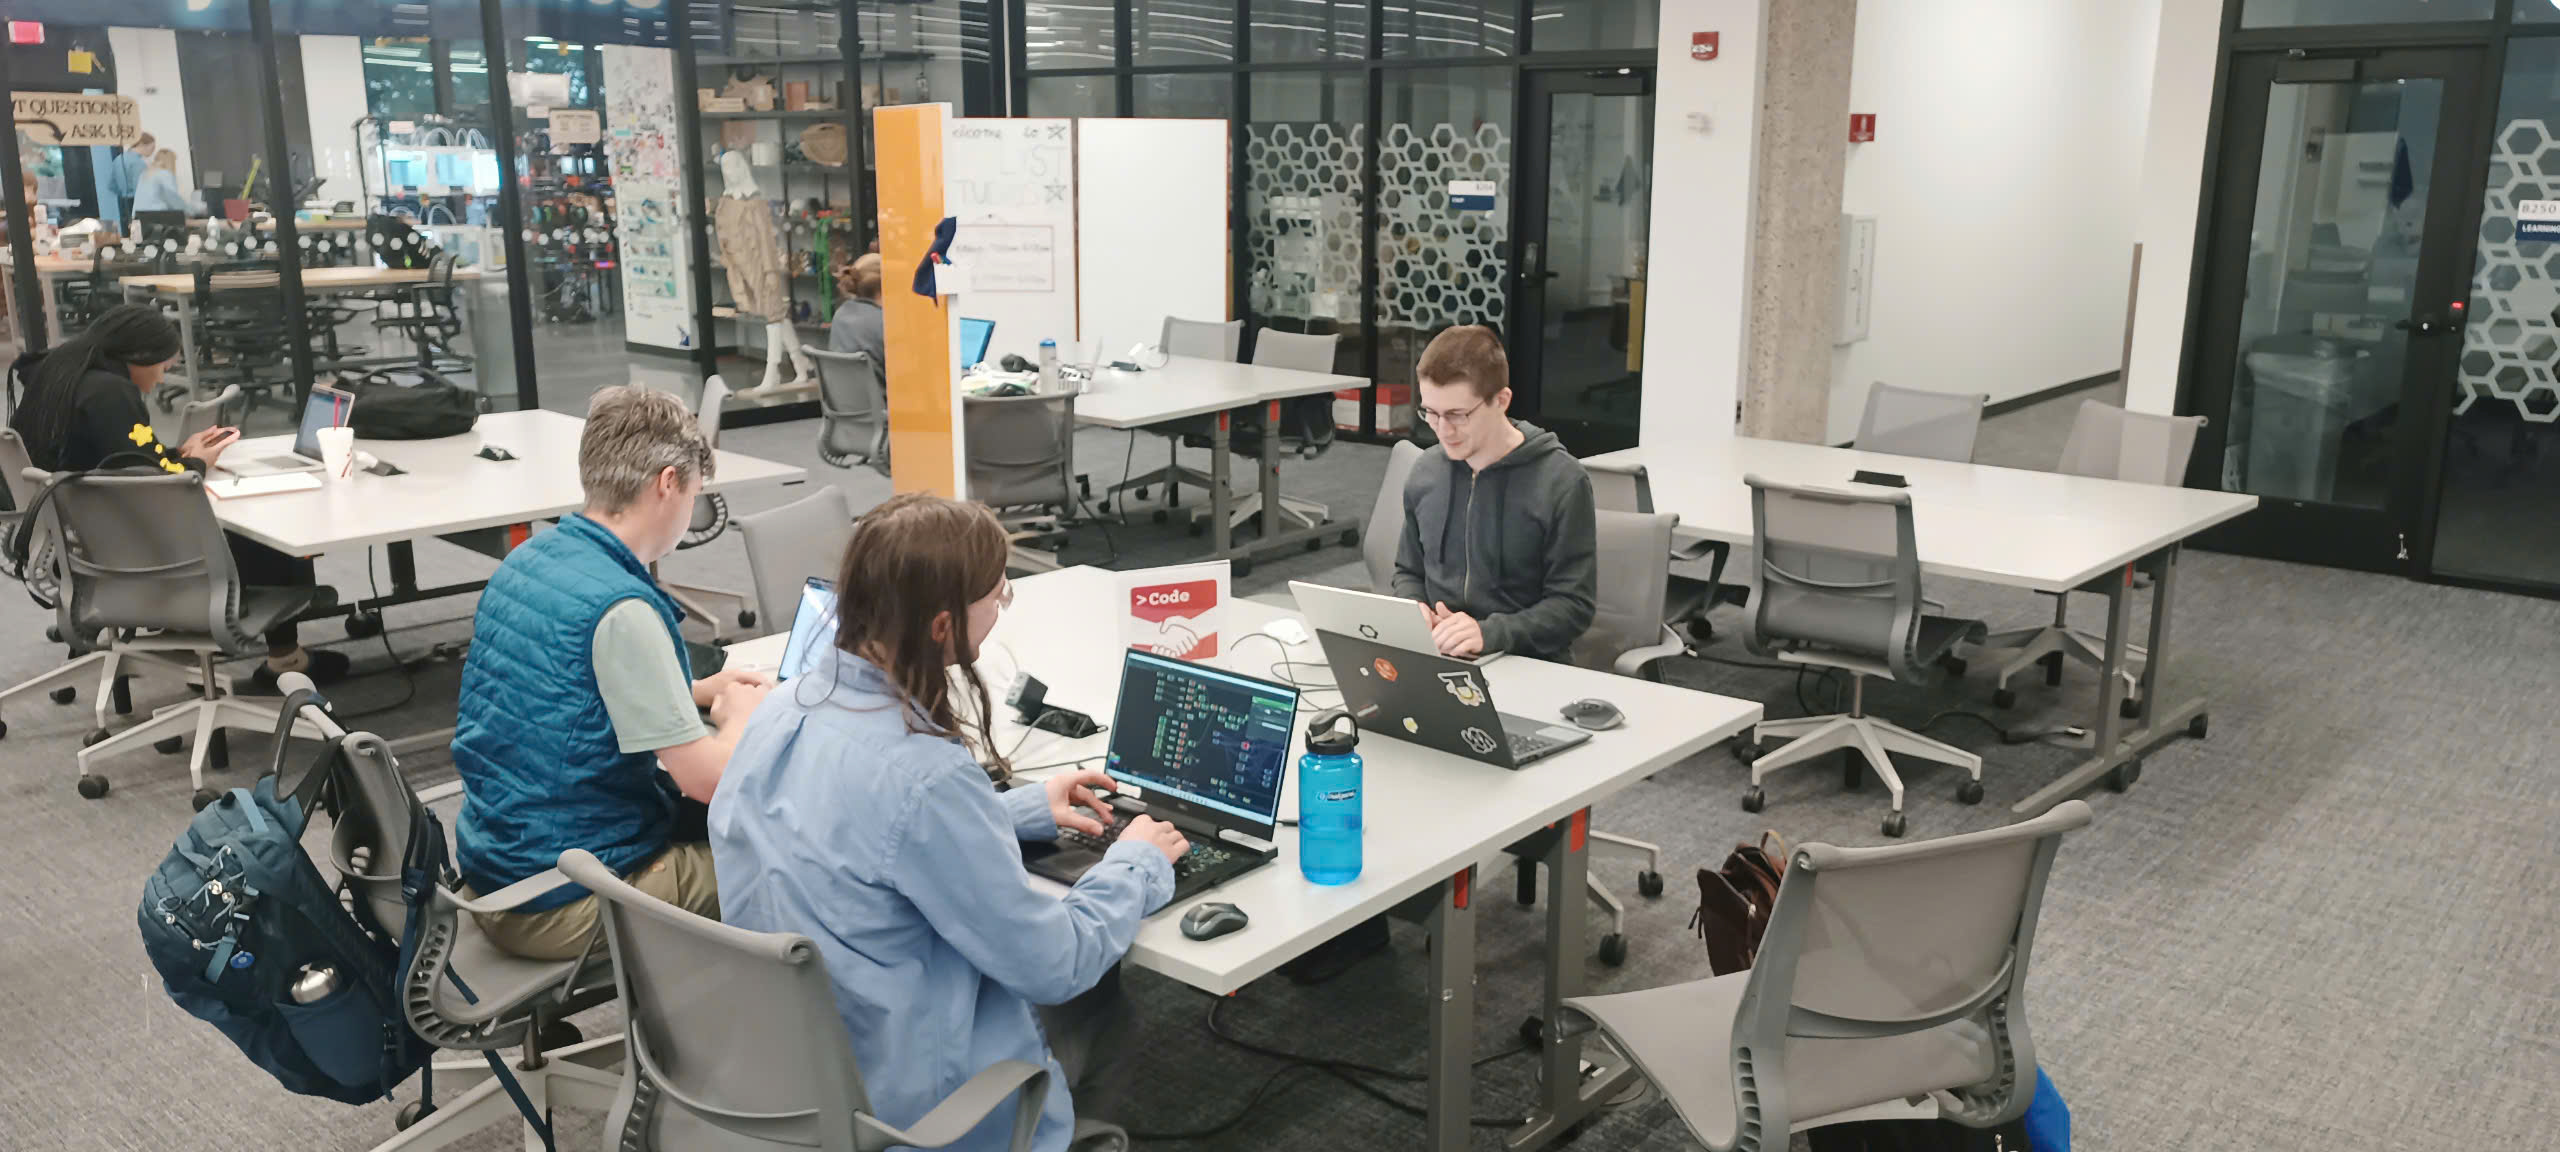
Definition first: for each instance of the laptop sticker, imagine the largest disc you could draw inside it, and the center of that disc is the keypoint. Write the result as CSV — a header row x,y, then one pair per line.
x,y
1410,727
1477,739
1386,670
1369,631
1464,688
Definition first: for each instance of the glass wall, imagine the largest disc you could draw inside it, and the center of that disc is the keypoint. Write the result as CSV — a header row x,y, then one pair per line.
x,y
1306,163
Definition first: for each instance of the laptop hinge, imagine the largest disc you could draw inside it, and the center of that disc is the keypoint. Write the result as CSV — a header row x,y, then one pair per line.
x,y
1241,840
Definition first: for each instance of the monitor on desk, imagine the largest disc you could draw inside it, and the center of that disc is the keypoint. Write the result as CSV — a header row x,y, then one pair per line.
x,y
975,335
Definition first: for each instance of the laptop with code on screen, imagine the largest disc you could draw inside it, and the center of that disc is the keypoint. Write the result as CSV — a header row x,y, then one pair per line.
x,y
1206,751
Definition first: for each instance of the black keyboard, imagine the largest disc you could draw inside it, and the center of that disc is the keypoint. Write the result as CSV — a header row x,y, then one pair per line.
x,y
1203,854
1524,744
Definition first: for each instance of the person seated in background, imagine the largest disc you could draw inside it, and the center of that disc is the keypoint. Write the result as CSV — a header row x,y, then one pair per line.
x,y
858,325
83,410
856,812
159,190
1500,542
578,691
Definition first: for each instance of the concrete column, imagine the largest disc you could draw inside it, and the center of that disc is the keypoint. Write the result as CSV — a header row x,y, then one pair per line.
x,y
1803,157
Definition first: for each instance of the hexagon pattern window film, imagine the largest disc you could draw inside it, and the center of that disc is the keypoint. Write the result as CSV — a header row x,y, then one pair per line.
x,y
2511,348
1302,201
1439,265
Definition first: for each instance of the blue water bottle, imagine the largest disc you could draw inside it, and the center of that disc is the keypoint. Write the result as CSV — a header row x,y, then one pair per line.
x,y
1329,800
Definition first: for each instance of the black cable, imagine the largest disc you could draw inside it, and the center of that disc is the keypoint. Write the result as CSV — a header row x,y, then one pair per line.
x,y
1222,1127
2006,736
408,676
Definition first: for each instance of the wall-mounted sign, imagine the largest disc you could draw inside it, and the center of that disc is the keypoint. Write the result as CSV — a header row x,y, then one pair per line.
x,y
1862,127
1472,195
2538,220
1705,45
58,118
575,126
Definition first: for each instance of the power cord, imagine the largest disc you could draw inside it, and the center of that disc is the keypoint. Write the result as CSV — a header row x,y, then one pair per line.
x,y
408,675
1280,669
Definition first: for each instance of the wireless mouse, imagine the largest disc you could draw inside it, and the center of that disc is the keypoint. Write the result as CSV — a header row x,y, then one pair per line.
x,y
1210,921
1595,715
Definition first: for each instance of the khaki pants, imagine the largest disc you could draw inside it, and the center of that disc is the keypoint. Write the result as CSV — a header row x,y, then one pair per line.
x,y
681,876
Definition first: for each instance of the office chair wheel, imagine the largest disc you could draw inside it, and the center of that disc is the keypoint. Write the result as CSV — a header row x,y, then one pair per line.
x,y
1140,491
2052,669
2130,708
1613,950
1954,665
2123,778
2196,726
364,624
747,619
66,694
2003,698
410,1113
203,797
1533,1033
53,633
1853,771
1754,799
1649,883
1970,792
1893,825
1350,537
95,736
92,787
171,746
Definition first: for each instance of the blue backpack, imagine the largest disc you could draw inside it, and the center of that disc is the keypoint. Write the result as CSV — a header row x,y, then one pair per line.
x,y
237,915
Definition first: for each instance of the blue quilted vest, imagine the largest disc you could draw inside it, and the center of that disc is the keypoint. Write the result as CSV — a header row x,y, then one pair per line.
x,y
541,771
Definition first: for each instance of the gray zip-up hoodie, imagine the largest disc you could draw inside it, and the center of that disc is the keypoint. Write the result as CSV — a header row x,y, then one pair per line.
x,y
1513,546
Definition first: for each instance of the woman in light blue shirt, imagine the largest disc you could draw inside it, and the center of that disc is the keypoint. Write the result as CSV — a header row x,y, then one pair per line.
x,y
855,813
158,189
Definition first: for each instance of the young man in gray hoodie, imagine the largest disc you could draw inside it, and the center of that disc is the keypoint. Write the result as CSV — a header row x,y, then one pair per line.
x,y
1499,545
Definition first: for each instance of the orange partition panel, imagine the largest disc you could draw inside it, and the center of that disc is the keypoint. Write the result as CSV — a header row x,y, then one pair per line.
x,y
923,412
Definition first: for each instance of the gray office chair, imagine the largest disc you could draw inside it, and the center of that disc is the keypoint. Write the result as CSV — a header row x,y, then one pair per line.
x,y
735,1042
1022,463
851,394
145,569
1198,340
1915,422
1885,974
510,1001
788,545
2112,444
710,521
1385,532
1840,589
1626,487
1305,353
221,409
1626,637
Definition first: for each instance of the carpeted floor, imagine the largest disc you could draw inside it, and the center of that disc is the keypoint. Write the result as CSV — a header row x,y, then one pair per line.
x,y
2328,926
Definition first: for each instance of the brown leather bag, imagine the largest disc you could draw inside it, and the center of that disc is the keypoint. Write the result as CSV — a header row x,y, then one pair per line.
x,y
1734,902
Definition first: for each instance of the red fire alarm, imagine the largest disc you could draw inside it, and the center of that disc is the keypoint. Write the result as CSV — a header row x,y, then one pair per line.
x,y
1862,127
26,32
1705,45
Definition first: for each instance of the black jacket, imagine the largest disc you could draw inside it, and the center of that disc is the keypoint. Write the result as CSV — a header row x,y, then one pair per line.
x,y
107,426
1513,546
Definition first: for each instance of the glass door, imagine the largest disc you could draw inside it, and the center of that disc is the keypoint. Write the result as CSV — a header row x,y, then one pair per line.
x,y
2336,296
1577,354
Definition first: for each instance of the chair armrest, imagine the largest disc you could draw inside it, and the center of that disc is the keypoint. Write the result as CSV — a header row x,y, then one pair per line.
x,y
511,897
961,1112
1632,661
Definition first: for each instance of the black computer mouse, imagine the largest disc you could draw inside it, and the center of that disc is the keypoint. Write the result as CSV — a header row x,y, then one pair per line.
x,y
1210,921
493,452
1595,715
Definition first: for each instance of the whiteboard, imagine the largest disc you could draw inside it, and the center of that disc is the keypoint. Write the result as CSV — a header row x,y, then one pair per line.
x,y
1153,207
1011,185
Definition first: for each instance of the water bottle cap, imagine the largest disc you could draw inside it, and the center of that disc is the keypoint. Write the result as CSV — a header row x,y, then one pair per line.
x,y
1327,738
1048,343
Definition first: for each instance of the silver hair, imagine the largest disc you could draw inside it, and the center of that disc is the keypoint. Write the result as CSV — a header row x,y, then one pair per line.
x,y
632,435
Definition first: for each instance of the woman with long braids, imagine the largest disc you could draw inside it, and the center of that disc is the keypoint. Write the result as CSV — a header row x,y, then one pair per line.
x,y
84,410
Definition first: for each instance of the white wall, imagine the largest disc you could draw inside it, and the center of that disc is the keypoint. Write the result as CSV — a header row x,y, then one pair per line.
x,y
333,96
147,70
2005,180
1697,314
2172,191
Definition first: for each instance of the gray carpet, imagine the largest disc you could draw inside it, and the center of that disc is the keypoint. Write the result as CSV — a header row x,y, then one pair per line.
x,y
2328,926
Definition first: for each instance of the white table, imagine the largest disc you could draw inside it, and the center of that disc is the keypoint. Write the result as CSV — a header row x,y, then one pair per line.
x,y
1185,387
1431,818
2045,531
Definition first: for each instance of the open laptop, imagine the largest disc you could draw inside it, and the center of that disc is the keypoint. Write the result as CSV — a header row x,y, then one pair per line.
x,y
975,336
1428,699
1209,749
327,408
813,628
1390,620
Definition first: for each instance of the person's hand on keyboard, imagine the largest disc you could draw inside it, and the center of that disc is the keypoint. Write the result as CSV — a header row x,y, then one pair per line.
x,y
1069,791
1166,838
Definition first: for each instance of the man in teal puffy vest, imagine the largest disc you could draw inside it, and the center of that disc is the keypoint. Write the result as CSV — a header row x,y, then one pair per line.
x,y
577,691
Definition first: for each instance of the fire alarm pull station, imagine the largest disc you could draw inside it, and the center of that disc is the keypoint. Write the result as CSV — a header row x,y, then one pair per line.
x,y
1705,45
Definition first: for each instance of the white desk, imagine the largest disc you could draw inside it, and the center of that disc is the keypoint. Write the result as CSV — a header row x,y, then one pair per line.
x,y
1186,387
1431,818
2040,530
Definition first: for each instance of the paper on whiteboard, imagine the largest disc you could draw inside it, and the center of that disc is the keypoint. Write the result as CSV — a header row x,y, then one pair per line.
x,y
1008,257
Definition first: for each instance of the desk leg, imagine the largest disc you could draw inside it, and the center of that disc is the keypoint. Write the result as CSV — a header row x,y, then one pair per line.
x,y
2119,754
1270,481
1223,533
1449,1103
1574,1084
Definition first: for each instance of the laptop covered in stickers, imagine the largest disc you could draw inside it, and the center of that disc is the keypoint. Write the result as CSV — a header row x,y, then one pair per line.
x,y
1440,703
